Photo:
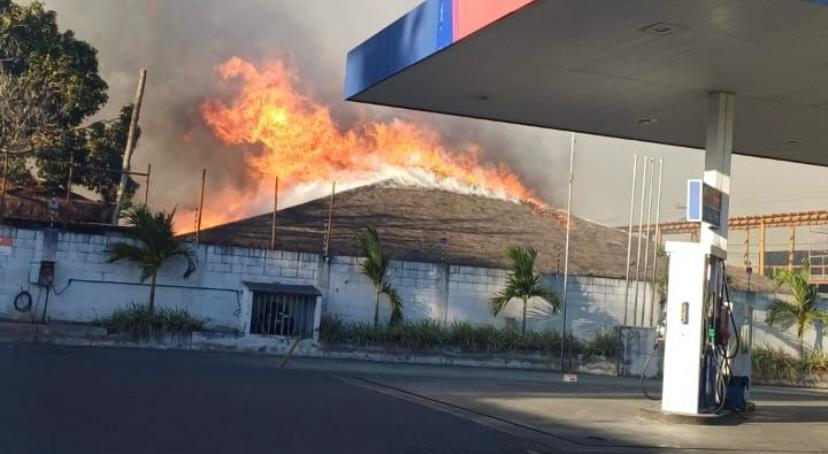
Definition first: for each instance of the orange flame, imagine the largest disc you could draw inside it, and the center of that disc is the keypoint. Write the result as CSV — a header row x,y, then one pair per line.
x,y
301,142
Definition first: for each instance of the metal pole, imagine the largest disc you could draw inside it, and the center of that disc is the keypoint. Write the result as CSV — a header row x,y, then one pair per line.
x,y
326,248
5,182
792,248
69,178
649,240
629,239
566,247
640,234
762,234
146,188
130,145
654,283
200,205
275,211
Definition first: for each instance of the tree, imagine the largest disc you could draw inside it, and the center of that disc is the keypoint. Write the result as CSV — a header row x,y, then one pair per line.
x,y
803,311
49,85
522,283
155,243
375,266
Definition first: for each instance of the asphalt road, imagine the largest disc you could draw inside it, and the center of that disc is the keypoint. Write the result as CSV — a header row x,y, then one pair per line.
x,y
92,400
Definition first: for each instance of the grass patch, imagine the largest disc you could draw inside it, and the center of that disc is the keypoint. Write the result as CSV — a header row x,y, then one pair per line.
x,y
462,336
778,363
139,321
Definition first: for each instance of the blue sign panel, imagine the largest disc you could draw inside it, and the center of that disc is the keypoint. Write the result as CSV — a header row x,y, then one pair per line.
x,y
694,200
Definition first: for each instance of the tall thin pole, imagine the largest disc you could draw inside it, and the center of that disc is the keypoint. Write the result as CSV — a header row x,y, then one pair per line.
x,y
629,239
5,183
566,247
147,186
69,178
326,248
649,240
200,205
275,213
654,283
640,234
792,248
130,145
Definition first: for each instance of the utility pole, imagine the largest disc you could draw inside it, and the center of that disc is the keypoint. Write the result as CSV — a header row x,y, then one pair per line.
x,y
326,247
146,188
566,247
275,211
130,146
200,205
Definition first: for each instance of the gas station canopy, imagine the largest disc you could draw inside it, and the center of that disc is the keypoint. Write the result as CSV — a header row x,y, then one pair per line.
x,y
633,69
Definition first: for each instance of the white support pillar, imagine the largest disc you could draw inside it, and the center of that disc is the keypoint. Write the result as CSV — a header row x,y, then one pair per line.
x,y
717,156
691,274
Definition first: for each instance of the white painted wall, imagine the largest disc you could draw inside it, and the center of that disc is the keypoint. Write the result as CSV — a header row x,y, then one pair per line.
x,y
215,291
87,288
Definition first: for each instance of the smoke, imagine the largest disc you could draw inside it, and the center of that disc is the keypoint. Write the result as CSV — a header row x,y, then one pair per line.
x,y
182,42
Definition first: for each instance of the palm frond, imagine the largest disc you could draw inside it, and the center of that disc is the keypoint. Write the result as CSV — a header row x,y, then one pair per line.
x,y
155,242
547,295
781,313
124,251
375,263
396,303
499,301
522,281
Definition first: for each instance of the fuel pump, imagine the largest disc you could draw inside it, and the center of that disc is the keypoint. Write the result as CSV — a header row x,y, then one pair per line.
x,y
703,339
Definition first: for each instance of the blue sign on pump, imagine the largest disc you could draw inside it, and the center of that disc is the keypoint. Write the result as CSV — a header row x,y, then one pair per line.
x,y
694,200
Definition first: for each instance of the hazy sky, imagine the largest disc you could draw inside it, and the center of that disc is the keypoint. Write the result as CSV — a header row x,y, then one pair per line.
x,y
181,42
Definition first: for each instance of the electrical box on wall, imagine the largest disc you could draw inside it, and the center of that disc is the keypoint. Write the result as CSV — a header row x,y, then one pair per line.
x,y
42,273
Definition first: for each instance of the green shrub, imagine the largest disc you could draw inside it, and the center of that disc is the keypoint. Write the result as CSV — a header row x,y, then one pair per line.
x,y
463,336
816,362
139,320
775,363
604,343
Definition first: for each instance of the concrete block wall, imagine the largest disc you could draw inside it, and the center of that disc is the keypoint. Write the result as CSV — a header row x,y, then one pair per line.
x,y
86,287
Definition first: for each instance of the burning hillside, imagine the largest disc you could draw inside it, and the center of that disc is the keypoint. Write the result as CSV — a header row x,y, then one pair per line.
x,y
292,137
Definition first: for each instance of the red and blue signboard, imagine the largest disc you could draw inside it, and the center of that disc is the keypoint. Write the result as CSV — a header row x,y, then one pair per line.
x,y
424,31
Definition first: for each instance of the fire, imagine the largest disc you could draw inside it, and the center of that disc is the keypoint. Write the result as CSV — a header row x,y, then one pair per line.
x,y
300,142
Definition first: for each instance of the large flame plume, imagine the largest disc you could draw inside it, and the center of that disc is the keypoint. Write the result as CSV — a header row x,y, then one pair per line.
x,y
300,143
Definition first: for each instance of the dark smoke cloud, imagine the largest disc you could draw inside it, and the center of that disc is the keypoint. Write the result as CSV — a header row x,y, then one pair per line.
x,y
181,42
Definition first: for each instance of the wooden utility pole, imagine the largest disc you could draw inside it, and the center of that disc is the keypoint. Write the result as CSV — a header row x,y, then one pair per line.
x,y
69,179
792,248
747,249
5,183
762,236
200,205
275,211
146,187
130,146
326,247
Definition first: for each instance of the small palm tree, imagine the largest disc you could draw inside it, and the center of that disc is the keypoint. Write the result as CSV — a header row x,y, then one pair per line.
x,y
803,311
375,266
155,243
522,283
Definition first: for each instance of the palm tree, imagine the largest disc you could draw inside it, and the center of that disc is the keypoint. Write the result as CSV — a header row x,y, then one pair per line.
x,y
375,266
803,311
522,283
155,243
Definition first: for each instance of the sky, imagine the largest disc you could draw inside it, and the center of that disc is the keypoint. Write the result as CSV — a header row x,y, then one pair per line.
x,y
181,42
